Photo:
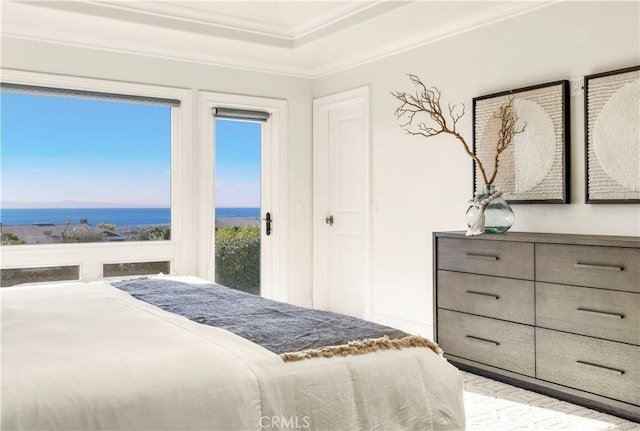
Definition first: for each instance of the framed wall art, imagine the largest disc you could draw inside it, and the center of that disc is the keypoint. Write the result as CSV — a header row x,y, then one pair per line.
x,y
535,167
612,136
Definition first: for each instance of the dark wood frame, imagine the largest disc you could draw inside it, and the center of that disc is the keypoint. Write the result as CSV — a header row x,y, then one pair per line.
x,y
588,78
566,138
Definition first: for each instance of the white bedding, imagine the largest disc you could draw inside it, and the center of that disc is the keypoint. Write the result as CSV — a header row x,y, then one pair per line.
x,y
81,356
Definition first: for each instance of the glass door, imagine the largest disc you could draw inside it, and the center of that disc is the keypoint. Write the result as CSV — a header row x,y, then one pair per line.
x,y
238,204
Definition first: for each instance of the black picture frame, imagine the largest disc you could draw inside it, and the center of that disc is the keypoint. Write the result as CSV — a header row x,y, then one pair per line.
x,y
608,100
544,108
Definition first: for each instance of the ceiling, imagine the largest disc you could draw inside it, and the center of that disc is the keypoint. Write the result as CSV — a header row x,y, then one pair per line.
x,y
301,38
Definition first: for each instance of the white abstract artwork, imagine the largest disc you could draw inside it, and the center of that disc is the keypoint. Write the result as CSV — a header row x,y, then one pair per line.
x,y
533,169
612,123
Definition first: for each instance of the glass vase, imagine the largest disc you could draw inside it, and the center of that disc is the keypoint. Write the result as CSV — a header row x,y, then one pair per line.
x,y
489,213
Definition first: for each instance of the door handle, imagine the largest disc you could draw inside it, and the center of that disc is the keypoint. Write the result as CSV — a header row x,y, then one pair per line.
x,y
268,221
329,220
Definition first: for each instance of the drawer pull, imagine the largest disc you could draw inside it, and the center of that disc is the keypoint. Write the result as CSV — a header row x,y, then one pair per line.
x,y
491,295
602,367
600,313
482,340
594,266
481,256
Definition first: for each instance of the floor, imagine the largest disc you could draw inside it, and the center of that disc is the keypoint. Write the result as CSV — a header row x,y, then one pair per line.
x,y
496,406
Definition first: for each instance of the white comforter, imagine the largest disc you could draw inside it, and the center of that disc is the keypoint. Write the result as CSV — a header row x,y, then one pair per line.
x,y
83,356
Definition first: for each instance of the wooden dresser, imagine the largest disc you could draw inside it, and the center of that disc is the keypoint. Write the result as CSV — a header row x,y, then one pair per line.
x,y
558,314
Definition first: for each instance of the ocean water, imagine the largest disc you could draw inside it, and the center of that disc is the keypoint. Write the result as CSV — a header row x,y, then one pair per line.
x,y
117,216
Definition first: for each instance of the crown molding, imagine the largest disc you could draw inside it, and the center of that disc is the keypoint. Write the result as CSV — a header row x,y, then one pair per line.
x,y
292,32
361,10
185,18
178,11
135,16
40,34
487,17
463,25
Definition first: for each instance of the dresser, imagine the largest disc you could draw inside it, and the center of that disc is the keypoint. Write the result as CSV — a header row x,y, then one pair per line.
x,y
554,313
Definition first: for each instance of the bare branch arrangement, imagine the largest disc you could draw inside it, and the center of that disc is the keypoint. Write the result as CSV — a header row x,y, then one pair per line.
x,y
426,100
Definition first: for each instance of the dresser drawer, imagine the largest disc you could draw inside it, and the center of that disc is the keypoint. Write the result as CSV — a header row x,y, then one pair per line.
x,y
499,258
605,267
501,298
595,312
505,345
602,367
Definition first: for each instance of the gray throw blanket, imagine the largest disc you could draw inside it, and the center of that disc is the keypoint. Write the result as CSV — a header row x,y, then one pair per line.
x,y
276,326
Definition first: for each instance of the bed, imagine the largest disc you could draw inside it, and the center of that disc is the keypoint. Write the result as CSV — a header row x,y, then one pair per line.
x,y
92,356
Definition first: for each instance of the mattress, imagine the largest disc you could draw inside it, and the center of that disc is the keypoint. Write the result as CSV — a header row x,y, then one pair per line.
x,y
87,356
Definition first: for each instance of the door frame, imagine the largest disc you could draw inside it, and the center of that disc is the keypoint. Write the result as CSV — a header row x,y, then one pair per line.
x,y
321,107
276,273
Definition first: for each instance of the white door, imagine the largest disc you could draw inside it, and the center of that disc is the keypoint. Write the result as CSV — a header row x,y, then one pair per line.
x,y
341,203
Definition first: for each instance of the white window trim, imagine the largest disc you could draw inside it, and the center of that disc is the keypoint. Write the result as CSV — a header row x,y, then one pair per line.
x,y
91,256
206,244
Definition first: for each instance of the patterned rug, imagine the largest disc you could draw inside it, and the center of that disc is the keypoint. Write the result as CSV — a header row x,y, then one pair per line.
x,y
496,406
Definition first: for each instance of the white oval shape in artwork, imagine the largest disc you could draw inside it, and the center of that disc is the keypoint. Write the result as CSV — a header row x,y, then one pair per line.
x,y
616,136
535,148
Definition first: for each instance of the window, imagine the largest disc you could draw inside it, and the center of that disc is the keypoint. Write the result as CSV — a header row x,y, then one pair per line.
x,y
14,276
135,268
82,166
153,174
238,202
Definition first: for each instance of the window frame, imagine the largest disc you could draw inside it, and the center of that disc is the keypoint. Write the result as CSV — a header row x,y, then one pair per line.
x,y
92,256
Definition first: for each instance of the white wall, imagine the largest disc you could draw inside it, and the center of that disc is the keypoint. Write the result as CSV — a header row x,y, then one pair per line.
x,y
82,62
422,186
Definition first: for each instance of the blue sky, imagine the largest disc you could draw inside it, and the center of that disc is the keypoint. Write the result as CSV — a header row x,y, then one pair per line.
x,y
237,168
57,149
